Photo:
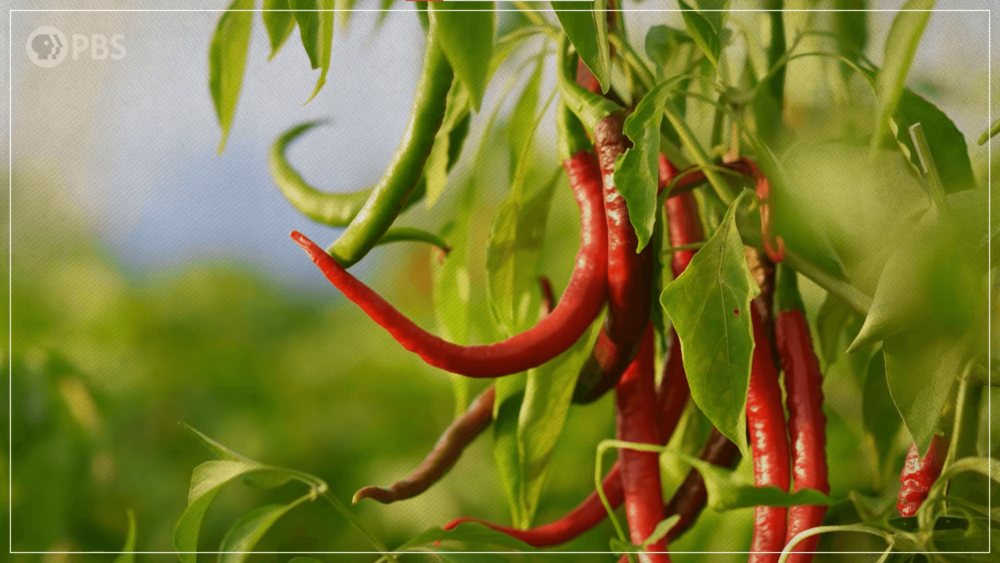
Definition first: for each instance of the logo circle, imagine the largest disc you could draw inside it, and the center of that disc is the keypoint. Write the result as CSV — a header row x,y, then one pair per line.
x,y
47,47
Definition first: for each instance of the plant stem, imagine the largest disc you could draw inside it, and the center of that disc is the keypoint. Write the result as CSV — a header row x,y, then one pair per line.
x,y
339,506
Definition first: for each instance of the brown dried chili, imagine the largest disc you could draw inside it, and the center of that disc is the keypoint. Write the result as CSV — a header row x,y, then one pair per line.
x,y
442,458
580,303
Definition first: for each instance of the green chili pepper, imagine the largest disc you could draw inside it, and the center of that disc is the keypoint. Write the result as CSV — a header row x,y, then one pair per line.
x,y
390,194
571,137
339,209
586,105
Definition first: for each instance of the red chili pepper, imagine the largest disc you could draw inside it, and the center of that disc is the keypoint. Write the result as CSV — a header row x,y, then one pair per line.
x,y
635,420
769,442
580,304
630,277
806,422
446,452
919,475
774,246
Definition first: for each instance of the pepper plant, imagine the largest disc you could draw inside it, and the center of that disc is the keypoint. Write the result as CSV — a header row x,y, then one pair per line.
x,y
736,262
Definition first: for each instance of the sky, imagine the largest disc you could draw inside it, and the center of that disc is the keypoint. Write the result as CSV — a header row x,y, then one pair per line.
x,y
132,142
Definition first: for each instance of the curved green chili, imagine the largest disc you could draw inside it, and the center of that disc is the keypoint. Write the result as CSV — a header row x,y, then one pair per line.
x,y
411,234
586,105
404,171
338,209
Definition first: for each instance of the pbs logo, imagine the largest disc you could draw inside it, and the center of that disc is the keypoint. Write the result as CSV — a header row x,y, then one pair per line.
x,y
48,47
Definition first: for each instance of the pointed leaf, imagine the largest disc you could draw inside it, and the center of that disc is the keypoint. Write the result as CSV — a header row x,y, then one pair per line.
x,y
879,416
279,23
315,19
471,533
702,32
709,306
547,396
220,451
507,408
900,48
227,59
637,169
128,550
586,26
440,158
948,149
467,40
250,528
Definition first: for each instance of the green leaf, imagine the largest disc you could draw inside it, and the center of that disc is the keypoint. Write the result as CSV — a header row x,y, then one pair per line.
x,y
384,10
948,148
921,365
467,41
871,509
850,24
714,12
637,169
250,528
702,32
304,560
210,477
506,454
315,19
279,23
586,26
831,320
207,480
470,533
663,44
661,529
220,451
522,119
128,550
345,7
227,59
515,246
547,396
709,306
989,133
728,489
879,417
436,168
900,48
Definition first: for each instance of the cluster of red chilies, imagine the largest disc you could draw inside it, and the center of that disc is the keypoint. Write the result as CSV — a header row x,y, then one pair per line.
x,y
608,270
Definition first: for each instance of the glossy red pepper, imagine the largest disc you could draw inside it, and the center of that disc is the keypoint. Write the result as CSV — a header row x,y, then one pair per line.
x,y
806,421
630,277
919,475
635,421
769,443
580,303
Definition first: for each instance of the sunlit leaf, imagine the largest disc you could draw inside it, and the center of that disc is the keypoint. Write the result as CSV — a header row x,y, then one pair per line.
x,y
879,416
522,120
128,555
506,453
467,40
227,59
661,529
714,12
900,48
702,32
586,26
709,306
279,23
315,19
440,159
850,24
472,534
948,149
250,528
637,169
728,489
547,397
831,320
